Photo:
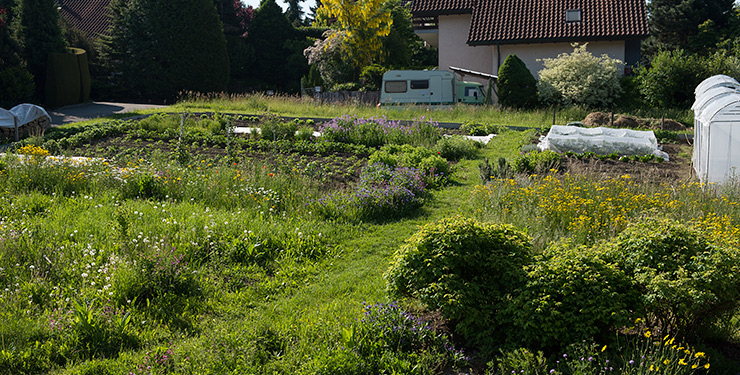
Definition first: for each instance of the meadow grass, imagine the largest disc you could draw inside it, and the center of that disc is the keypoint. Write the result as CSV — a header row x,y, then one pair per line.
x,y
210,267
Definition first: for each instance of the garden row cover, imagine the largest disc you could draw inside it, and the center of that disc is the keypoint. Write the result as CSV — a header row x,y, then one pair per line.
x,y
602,141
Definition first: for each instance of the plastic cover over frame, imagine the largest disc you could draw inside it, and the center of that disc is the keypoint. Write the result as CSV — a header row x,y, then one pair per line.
x,y
602,141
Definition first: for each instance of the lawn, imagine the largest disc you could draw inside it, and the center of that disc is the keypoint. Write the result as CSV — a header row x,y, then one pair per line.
x,y
199,251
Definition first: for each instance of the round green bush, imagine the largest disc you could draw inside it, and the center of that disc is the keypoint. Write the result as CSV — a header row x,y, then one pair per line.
x,y
687,282
517,87
572,294
465,268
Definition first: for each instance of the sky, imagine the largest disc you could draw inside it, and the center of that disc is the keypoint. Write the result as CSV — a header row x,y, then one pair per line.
x,y
305,5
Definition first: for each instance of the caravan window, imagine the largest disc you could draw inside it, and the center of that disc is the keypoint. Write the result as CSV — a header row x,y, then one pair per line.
x,y
395,86
420,84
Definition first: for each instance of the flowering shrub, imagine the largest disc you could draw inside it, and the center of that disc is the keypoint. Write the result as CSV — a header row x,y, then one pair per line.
x,y
466,269
580,78
382,192
377,131
436,170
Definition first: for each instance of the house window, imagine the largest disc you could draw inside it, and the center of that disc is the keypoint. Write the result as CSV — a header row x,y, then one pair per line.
x,y
573,15
420,84
395,86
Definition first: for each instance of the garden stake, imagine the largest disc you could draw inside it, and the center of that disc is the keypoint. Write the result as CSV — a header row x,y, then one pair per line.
x,y
228,133
554,111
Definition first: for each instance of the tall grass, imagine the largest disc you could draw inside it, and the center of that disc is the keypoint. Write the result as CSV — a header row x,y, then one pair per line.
x,y
306,107
590,208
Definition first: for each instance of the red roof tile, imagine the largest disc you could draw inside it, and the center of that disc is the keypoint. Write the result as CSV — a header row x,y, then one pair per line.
x,y
435,7
88,16
522,21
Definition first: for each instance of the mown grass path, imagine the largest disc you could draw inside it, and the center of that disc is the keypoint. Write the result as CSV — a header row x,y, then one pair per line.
x,y
316,313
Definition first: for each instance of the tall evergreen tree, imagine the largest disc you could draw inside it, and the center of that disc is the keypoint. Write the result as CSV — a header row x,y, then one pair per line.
x,y
294,13
37,32
159,49
277,48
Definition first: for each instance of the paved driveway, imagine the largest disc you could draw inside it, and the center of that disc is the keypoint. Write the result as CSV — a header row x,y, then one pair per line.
x,y
87,111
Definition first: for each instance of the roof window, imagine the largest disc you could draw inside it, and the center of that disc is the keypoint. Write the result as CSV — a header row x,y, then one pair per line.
x,y
573,15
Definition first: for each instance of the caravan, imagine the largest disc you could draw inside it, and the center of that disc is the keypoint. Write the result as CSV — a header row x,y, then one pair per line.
x,y
428,87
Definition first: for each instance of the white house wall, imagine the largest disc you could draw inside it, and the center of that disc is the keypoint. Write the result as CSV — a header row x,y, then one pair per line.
x,y
454,50
530,53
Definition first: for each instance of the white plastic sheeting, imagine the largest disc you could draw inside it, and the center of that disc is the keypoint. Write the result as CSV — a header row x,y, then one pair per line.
x,y
602,141
720,80
23,114
717,130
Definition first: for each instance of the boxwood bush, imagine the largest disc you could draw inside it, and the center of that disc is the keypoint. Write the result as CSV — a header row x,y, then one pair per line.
x,y
573,294
686,281
465,268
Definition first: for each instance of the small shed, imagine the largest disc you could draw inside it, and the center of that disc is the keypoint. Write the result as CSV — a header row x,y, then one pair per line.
x,y
717,130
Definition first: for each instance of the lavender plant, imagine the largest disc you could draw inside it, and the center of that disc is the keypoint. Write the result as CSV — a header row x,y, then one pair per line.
x,y
387,335
382,192
377,131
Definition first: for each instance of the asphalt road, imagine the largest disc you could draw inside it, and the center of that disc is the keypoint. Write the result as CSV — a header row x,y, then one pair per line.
x,y
87,111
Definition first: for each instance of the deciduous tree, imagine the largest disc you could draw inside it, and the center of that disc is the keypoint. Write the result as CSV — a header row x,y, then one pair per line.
x,y
692,25
364,23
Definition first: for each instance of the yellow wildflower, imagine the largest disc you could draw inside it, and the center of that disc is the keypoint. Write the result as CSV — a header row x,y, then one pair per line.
x,y
666,362
706,366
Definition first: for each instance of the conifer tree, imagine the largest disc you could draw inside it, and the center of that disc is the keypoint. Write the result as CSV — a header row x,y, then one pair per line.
x,y
517,87
36,30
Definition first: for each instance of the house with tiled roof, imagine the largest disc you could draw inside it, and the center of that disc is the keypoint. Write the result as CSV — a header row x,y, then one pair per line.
x,y
480,34
88,16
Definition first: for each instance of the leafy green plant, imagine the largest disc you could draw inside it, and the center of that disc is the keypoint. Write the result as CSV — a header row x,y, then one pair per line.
x,y
480,129
538,162
435,168
457,147
467,270
686,281
519,361
572,294
274,128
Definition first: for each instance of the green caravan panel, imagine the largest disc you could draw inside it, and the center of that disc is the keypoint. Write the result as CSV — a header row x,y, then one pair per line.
x,y
423,87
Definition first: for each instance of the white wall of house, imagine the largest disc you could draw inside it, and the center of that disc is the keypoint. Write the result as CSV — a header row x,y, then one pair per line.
x,y
530,53
454,51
